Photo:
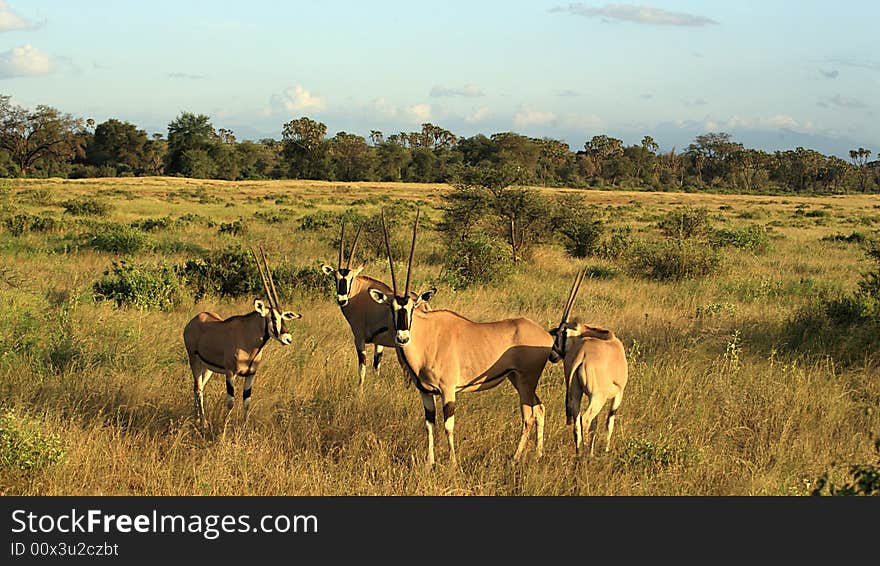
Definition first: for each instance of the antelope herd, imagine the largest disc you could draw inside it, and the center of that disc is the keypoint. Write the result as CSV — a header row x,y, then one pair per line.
x,y
442,352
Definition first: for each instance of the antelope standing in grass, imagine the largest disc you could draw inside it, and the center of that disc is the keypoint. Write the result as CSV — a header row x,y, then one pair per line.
x,y
594,364
369,322
234,346
445,353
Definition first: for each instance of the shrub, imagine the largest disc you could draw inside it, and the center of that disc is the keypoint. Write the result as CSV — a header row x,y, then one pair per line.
x,y
582,234
119,239
865,480
853,238
153,224
86,206
617,245
319,221
235,228
673,260
752,238
648,455
477,259
685,222
21,223
142,287
24,446
232,273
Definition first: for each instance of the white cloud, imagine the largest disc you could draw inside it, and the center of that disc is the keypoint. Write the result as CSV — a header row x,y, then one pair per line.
x,y
467,91
419,112
528,116
635,14
479,115
381,108
296,99
25,61
187,76
775,122
10,21
579,122
846,102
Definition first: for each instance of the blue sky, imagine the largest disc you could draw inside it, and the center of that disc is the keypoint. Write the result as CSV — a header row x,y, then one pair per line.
x,y
776,74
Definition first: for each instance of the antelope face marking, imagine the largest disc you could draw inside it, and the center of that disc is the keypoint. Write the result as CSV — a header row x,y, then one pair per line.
x,y
277,321
344,279
401,312
560,340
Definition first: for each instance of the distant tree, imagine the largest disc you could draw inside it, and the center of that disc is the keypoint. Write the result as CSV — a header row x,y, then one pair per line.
x,y
352,158
39,136
391,160
376,137
120,145
860,159
189,133
256,160
304,148
711,153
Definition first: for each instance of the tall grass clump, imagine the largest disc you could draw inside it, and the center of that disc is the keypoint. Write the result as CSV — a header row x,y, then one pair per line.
x,y
22,223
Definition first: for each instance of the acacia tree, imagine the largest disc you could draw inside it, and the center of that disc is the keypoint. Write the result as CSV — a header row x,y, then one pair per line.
x,y
190,137
43,134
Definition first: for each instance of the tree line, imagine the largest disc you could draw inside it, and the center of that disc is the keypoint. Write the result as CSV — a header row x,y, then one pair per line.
x,y
45,142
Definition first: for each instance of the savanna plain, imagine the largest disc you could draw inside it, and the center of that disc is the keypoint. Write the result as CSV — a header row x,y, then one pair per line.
x,y
736,385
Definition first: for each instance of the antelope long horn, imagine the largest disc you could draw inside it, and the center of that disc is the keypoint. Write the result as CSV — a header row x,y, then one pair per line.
x,y
263,277
412,251
271,282
388,249
576,286
353,247
341,244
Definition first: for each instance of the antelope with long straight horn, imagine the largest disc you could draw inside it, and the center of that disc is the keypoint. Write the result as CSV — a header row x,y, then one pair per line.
x,y
370,323
445,354
234,346
594,364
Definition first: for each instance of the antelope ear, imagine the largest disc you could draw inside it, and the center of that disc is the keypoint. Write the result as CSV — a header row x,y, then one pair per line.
x,y
357,271
571,332
289,315
260,307
378,296
426,296
327,269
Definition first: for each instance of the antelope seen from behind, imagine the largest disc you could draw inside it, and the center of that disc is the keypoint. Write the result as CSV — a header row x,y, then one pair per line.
x,y
594,364
370,323
234,346
445,353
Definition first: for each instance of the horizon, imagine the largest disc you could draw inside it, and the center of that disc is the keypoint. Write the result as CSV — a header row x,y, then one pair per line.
x,y
565,71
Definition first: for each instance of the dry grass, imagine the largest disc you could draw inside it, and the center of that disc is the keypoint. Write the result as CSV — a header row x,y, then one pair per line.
x,y
717,402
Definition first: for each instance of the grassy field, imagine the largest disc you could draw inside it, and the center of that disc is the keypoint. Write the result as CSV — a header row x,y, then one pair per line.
x,y
724,397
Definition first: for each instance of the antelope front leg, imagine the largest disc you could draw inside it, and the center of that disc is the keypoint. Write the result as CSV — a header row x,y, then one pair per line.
x,y
246,395
361,348
377,357
528,419
449,424
430,418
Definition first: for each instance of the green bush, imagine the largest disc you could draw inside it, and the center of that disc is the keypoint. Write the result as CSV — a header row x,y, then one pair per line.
x,y
119,239
86,206
752,238
853,238
235,228
617,245
153,224
582,235
673,260
648,455
685,222
22,223
232,273
477,259
141,287
24,446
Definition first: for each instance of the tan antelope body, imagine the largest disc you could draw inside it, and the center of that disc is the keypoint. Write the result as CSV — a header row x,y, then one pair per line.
x,y
370,323
445,353
594,364
234,346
